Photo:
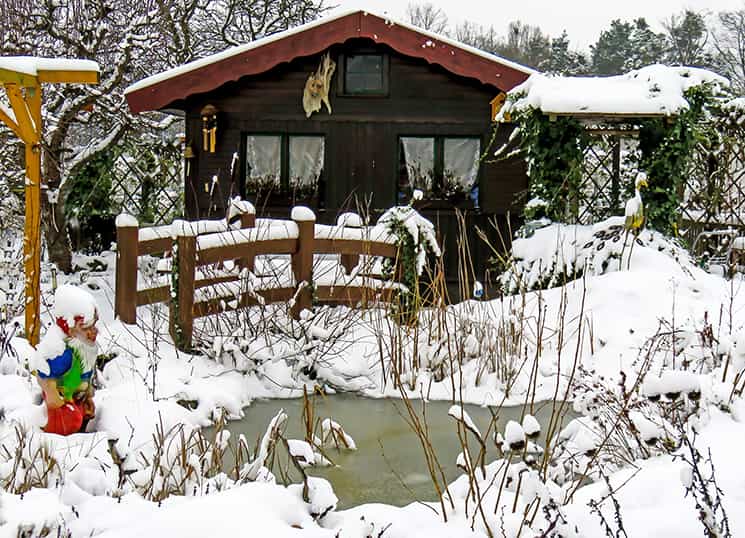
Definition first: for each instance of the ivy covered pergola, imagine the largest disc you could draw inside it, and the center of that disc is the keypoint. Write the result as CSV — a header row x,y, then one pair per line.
x,y
572,132
22,77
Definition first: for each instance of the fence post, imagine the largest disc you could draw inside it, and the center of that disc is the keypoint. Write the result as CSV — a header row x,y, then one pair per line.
x,y
182,305
127,243
248,220
349,220
302,259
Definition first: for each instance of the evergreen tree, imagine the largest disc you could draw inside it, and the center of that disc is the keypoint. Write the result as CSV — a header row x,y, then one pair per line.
x,y
562,60
646,47
626,46
687,37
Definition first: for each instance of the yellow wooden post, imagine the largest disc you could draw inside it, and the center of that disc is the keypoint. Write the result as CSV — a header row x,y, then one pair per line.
x,y
24,93
32,232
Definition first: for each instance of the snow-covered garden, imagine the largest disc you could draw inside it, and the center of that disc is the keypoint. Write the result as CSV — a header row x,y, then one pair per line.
x,y
647,357
593,388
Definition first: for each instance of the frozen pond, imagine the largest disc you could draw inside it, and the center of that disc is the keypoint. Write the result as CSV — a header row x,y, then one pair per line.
x,y
388,465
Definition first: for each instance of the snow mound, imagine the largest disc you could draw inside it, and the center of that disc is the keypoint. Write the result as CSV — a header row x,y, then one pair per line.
x,y
559,253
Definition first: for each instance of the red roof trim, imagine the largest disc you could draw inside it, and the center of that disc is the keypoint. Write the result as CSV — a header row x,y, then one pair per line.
x,y
315,40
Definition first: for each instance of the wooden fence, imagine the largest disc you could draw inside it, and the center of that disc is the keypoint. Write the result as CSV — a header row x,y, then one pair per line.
x,y
200,252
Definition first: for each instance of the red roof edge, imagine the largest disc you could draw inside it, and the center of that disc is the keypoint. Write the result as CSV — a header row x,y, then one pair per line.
x,y
315,40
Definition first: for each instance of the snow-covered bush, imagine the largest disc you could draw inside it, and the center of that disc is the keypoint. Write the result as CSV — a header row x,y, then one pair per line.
x,y
416,239
559,253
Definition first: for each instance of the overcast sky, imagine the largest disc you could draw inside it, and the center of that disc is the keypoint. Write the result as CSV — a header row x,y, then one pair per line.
x,y
582,19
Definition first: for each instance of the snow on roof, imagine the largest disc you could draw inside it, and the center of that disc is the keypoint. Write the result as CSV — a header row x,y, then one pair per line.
x,y
239,49
31,65
652,90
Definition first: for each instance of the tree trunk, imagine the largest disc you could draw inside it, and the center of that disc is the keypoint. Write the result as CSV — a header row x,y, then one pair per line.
x,y
54,220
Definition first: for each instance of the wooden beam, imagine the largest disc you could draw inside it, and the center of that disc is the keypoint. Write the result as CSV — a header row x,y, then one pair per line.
x,y
8,76
32,233
10,123
24,119
69,77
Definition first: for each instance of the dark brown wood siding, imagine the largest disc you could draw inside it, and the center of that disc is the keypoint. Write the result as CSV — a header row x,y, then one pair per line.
x,y
361,138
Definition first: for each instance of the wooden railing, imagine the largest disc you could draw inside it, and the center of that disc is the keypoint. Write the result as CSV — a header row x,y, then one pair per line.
x,y
208,265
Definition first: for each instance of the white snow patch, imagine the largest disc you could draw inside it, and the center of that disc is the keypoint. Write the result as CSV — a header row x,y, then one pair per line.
x,y
655,89
301,213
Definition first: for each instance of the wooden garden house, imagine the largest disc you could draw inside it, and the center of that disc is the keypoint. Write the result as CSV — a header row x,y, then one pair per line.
x,y
347,111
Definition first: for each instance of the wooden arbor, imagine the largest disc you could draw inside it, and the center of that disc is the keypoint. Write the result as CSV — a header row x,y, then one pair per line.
x,y
22,78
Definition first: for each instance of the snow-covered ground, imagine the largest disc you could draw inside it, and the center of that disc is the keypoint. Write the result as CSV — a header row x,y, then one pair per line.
x,y
655,314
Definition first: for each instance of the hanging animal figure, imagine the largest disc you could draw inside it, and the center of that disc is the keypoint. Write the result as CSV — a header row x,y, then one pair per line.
x,y
634,215
317,87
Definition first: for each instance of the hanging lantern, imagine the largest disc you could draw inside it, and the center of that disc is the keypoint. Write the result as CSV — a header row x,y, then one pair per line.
x,y
188,156
209,128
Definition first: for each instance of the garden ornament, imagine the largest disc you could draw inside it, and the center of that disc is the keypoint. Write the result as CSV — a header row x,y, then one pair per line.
x,y
635,207
209,128
634,216
317,87
65,362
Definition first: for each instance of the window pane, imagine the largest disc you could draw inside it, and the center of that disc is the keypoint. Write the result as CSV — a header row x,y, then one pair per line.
x,y
364,73
418,164
365,63
263,162
461,164
306,162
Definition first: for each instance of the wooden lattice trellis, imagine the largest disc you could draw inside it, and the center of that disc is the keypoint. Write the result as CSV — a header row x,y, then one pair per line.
x,y
599,191
149,185
151,188
714,194
712,198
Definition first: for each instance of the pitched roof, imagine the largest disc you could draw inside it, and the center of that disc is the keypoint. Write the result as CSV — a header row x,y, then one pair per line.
x,y
259,56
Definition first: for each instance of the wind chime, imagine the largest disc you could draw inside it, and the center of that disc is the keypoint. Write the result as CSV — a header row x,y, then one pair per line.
x,y
209,128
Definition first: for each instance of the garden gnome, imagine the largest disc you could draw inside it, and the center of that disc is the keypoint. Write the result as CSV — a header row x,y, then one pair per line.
x,y
66,360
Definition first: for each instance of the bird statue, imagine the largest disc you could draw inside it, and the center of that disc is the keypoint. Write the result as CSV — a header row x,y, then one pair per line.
x,y
635,207
634,214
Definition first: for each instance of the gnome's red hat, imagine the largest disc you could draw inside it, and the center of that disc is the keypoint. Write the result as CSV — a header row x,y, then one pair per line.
x,y
72,306
62,323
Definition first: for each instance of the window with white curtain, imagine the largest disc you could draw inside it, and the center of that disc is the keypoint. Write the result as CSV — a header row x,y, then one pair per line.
x,y
418,154
263,162
284,163
306,161
460,163
441,167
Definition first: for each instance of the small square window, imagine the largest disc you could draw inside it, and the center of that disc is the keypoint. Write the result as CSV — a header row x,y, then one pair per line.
x,y
365,74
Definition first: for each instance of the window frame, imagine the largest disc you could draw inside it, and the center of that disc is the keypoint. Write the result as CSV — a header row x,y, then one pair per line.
x,y
284,160
436,192
385,72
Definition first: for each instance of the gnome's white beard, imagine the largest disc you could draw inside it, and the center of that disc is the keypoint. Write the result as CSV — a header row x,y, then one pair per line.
x,y
88,352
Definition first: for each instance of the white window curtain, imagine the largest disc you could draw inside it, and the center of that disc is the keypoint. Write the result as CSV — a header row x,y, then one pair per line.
x,y
306,161
419,155
461,162
263,161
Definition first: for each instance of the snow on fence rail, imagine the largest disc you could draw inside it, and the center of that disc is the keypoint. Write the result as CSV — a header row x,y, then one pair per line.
x,y
210,258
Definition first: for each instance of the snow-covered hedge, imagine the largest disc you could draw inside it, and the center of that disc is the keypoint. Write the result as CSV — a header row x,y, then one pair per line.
x,y
559,253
